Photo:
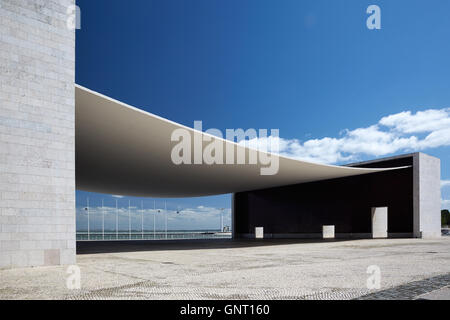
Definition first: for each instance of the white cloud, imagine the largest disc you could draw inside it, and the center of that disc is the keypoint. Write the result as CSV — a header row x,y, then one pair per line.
x,y
401,132
445,183
445,204
423,121
200,217
116,196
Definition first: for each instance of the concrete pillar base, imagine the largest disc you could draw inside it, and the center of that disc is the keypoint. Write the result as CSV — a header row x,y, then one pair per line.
x,y
328,232
259,233
379,222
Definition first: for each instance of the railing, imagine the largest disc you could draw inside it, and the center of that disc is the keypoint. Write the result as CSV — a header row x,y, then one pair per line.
x,y
159,235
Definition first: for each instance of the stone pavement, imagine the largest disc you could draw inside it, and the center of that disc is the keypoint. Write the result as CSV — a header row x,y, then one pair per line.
x,y
412,290
225,269
441,294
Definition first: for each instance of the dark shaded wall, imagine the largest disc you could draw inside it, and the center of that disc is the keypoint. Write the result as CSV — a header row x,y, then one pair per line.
x,y
344,202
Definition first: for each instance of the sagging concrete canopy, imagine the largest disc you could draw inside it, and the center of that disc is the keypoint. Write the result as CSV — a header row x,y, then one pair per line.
x,y
126,151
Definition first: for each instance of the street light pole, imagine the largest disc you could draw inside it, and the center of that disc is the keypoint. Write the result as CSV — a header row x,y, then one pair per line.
x,y
165,215
154,219
117,221
103,220
129,220
221,219
89,236
142,218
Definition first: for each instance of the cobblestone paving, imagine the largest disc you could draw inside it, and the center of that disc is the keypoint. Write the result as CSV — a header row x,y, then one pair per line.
x,y
149,290
411,290
244,270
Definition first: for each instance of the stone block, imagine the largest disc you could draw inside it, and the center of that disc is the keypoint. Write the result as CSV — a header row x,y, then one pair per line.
x,y
259,233
328,232
380,222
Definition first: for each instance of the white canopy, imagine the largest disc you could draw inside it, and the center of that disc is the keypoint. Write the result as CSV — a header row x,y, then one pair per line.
x,y
123,150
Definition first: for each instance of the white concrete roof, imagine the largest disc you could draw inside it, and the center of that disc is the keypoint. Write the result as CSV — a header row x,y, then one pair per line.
x,y
123,150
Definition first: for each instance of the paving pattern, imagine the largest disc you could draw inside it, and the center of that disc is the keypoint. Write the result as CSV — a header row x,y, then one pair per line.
x,y
411,290
149,290
277,269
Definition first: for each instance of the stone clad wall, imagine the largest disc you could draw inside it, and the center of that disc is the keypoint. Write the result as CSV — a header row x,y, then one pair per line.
x,y
427,199
37,132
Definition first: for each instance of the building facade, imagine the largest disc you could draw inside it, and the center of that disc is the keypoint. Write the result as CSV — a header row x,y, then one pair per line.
x,y
37,132
411,195
37,159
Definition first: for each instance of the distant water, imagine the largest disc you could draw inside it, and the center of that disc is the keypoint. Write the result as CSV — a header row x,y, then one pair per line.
x,y
150,235
161,235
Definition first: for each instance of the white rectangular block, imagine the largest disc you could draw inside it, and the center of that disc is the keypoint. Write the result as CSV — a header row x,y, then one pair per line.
x,y
427,196
259,233
379,222
328,232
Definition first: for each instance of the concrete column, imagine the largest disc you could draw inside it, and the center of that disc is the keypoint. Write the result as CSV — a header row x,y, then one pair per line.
x,y
379,222
37,132
328,232
427,196
259,233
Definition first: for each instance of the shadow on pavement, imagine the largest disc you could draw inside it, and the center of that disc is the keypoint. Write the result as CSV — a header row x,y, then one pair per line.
x,y
89,247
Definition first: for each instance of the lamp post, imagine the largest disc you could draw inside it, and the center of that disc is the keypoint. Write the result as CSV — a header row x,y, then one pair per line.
x,y
117,221
154,220
165,216
103,220
129,220
89,236
142,218
221,219
159,211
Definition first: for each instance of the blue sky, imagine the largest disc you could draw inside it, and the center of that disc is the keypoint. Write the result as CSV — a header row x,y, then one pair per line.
x,y
311,69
